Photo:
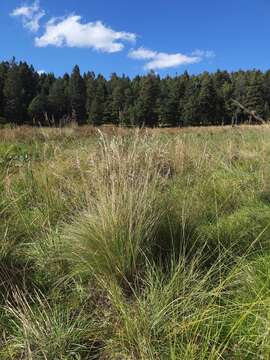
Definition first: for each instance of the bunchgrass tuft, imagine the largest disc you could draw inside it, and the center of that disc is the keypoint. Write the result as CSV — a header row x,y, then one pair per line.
x,y
40,330
116,233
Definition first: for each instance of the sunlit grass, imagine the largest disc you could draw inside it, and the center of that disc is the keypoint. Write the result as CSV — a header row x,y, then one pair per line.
x,y
135,244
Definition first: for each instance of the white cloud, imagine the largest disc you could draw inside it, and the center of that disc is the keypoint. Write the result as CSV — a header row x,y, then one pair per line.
x,y
71,32
161,60
142,54
40,72
208,54
31,15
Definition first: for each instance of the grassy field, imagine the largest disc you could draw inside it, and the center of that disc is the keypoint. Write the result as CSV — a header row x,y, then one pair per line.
x,y
122,244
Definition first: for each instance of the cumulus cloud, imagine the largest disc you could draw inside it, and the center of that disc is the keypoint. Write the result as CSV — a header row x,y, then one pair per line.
x,y
30,15
161,60
71,32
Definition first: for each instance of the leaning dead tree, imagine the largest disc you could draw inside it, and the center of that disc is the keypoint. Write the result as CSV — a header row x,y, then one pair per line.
x,y
252,113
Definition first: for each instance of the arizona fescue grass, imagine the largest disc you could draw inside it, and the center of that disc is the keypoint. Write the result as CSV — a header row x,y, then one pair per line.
x,y
135,244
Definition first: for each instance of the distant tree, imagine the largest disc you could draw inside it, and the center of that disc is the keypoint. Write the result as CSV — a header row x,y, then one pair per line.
x,y
45,83
191,106
97,109
240,82
221,78
38,108
117,107
147,100
146,105
127,115
207,101
77,93
267,93
229,110
183,83
58,100
161,107
29,83
13,95
90,84
176,90
3,74
254,99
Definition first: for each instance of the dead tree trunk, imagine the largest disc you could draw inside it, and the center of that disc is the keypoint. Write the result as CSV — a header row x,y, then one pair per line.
x,y
252,114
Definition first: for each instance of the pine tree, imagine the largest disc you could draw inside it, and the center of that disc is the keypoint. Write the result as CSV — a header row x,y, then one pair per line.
x,y
38,108
58,100
117,105
96,114
191,106
146,106
183,82
127,117
45,83
145,100
29,83
175,92
13,91
228,107
254,99
90,84
162,105
267,93
3,75
220,78
77,93
207,101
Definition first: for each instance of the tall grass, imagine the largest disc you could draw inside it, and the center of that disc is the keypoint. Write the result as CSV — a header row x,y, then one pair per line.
x,y
41,330
116,233
134,244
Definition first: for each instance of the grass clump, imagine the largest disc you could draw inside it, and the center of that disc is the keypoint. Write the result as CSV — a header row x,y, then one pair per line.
x,y
40,330
176,316
116,233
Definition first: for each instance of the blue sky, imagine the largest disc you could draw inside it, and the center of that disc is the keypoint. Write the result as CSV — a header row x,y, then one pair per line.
x,y
131,37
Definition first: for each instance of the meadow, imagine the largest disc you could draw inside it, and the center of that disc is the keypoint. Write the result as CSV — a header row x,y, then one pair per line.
x,y
125,244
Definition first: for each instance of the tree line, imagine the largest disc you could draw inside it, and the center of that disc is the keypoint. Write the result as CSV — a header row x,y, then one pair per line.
x,y
27,97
